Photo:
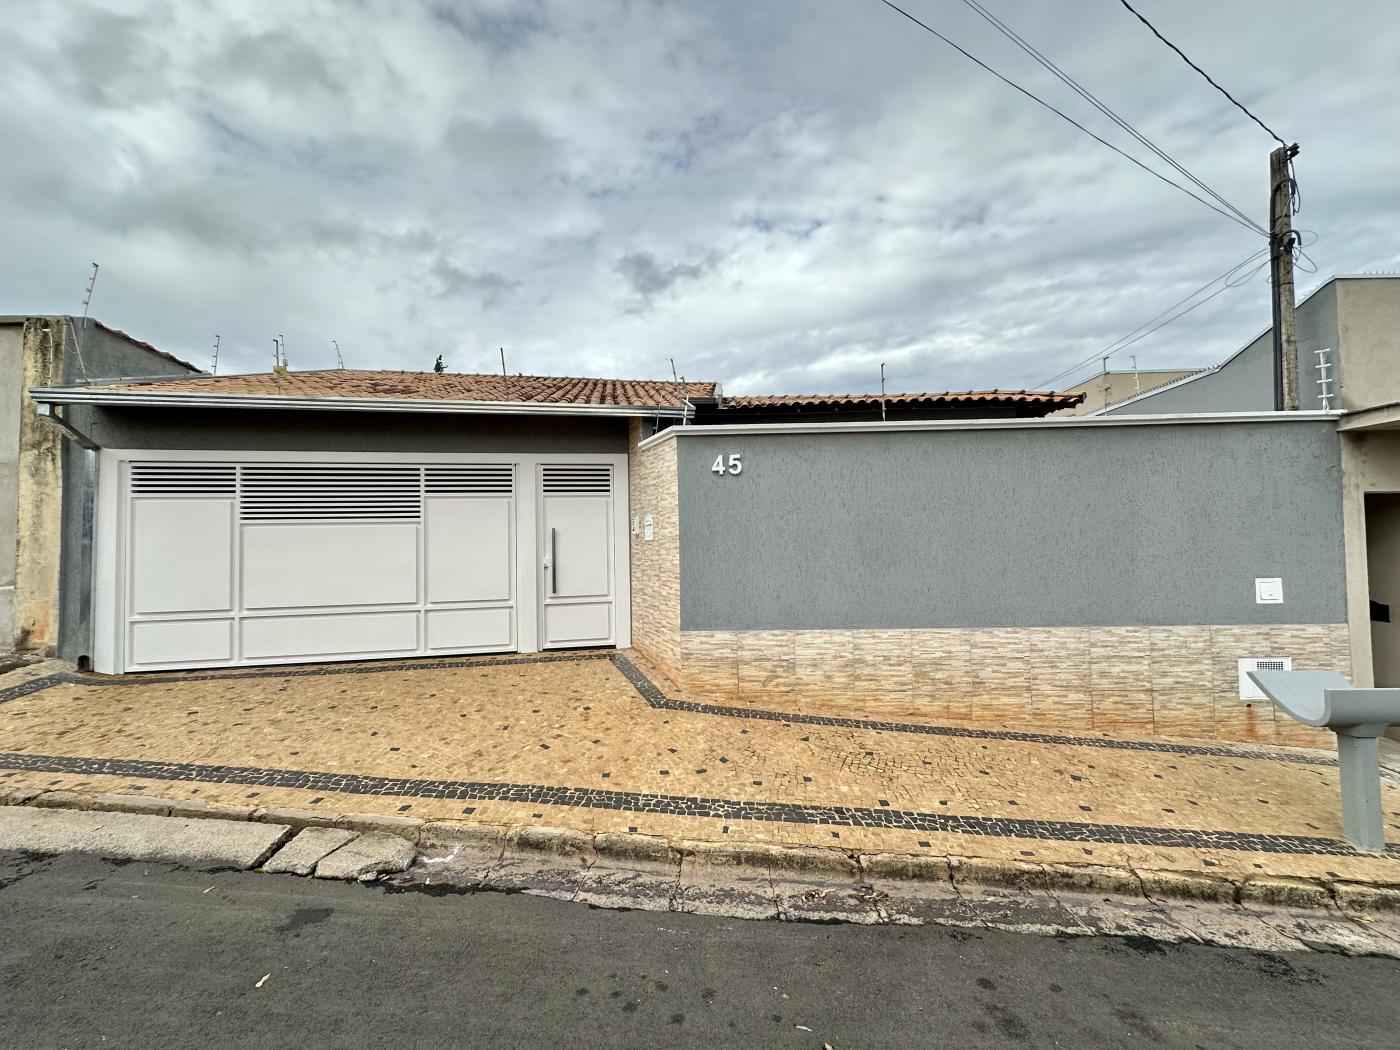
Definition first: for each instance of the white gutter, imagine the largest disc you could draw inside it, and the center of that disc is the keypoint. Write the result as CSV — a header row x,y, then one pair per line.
x,y
1057,422
134,398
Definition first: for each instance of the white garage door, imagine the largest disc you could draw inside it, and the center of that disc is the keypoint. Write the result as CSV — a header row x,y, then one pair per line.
x,y
281,562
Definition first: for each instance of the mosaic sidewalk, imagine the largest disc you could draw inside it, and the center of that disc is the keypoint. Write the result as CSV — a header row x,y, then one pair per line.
x,y
588,740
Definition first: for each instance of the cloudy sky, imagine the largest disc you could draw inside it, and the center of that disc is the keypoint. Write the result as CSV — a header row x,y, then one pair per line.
x,y
780,194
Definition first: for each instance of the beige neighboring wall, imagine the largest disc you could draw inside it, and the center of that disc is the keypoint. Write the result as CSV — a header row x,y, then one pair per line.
x,y
656,563
33,457
1108,388
1368,317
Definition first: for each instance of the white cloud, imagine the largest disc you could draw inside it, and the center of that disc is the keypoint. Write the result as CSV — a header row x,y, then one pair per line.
x,y
779,197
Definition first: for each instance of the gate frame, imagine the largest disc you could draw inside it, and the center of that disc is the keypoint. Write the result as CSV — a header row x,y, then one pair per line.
x,y
110,539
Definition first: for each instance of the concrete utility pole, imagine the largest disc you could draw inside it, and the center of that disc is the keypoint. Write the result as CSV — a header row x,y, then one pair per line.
x,y
1281,240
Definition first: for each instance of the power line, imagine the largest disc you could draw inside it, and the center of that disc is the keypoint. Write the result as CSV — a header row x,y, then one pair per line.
x,y
1123,342
1064,116
1238,105
1103,108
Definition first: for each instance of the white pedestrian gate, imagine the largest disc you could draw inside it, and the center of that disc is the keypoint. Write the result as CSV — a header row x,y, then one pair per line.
x,y
285,560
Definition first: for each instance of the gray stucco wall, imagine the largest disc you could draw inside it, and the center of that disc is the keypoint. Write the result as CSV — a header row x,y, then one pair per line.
x,y
1061,526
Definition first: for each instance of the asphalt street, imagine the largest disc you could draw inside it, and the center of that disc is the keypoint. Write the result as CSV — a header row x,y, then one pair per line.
x,y
101,953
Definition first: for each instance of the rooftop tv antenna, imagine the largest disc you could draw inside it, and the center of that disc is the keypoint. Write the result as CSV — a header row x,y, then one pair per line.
x,y
282,345
78,335
505,379
680,392
339,361
882,391
216,355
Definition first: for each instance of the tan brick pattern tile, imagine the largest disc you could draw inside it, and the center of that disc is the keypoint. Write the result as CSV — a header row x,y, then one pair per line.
x,y
656,563
1170,681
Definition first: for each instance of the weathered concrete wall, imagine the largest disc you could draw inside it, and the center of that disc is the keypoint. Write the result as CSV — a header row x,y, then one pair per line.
x,y
656,614
38,493
11,408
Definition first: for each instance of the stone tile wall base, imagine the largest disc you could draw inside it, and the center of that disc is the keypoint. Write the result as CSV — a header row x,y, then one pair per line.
x,y
656,565
1173,681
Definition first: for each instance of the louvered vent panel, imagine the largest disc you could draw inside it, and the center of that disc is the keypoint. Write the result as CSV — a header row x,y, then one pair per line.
x,y
288,491
183,479
577,481
470,480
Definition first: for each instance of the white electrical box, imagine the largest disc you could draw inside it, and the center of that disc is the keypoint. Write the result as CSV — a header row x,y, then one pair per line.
x,y
1268,590
648,529
1250,691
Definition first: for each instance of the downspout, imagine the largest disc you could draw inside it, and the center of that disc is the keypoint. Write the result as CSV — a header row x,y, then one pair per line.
x,y
87,517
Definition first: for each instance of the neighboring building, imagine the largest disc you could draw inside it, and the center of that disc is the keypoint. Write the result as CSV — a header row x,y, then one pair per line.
x,y
1354,320
34,458
1106,388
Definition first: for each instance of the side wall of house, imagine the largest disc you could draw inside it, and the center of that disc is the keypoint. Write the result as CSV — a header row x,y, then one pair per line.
x,y
99,353
656,612
1058,577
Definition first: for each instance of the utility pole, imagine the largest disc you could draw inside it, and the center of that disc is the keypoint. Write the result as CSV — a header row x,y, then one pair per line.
x,y
1281,241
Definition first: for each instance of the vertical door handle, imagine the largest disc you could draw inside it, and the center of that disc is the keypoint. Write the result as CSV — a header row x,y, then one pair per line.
x,y
553,561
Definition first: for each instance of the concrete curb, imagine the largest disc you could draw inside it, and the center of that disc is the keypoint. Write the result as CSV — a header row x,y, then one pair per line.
x,y
770,860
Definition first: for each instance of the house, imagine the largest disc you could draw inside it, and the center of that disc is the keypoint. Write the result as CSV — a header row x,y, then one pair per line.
x,y
1109,387
961,558
294,516
1347,358
38,538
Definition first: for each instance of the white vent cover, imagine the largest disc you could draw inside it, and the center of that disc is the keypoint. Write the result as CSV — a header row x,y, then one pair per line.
x,y
470,480
293,491
183,479
1250,691
577,481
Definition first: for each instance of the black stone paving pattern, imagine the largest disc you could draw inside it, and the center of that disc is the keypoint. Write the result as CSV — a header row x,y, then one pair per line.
x,y
684,805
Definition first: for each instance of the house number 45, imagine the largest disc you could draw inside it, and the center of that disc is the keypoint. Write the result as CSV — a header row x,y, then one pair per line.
x,y
730,465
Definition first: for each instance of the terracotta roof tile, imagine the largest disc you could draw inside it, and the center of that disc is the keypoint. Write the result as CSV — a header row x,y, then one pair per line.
x,y
432,386
1060,400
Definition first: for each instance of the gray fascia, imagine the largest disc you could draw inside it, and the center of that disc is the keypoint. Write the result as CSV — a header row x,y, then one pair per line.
x,y
117,399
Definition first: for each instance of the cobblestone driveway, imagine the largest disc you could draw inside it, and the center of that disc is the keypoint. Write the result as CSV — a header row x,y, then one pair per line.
x,y
587,740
